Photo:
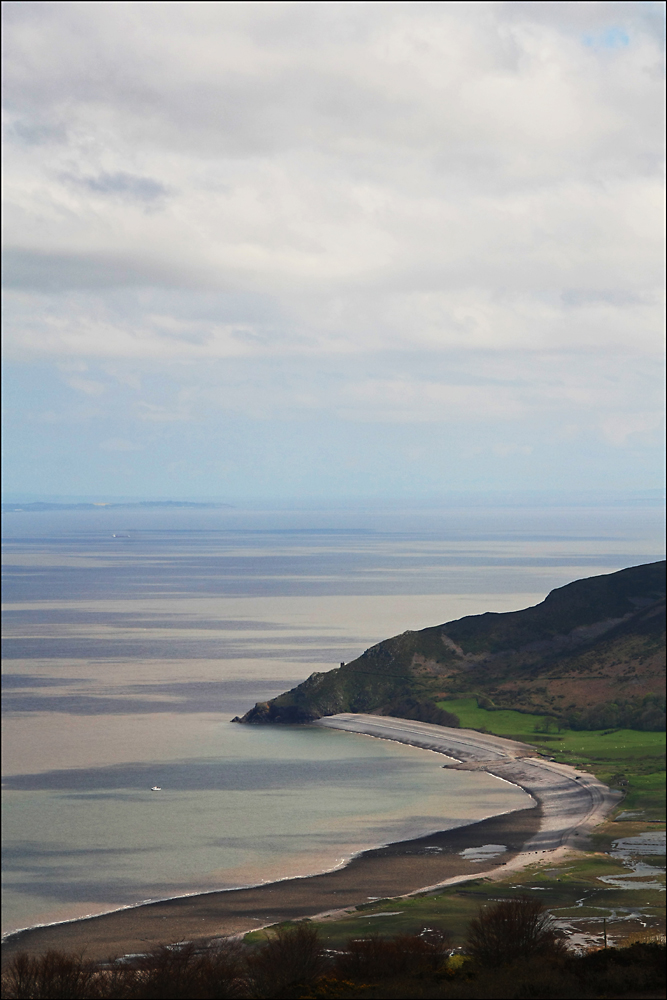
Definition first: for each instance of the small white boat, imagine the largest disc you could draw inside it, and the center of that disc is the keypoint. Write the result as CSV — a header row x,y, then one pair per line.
x,y
156,788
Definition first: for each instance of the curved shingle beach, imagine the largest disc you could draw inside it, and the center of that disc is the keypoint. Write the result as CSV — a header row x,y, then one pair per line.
x,y
572,802
568,804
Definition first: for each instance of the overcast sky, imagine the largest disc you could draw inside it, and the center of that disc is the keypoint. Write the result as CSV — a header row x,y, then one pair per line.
x,y
333,248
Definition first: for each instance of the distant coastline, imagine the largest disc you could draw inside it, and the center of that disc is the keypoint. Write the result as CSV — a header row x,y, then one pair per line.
x,y
27,508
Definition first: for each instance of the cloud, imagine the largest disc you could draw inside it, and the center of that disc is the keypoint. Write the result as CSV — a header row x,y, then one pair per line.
x,y
141,188
384,214
464,389
401,400
618,427
87,386
58,271
325,151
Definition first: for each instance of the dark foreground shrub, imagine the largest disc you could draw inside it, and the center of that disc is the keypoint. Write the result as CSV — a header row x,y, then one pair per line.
x,y
396,967
163,974
640,966
292,956
53,975
631,972
513,929
188,972
374,957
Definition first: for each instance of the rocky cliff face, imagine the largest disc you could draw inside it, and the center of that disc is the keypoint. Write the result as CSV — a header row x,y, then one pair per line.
x,y
593,642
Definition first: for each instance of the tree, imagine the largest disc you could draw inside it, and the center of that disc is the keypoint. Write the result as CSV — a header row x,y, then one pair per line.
x,y
292,956
511,929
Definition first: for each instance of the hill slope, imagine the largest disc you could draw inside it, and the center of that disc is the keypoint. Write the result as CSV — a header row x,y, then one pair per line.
x,y
592,647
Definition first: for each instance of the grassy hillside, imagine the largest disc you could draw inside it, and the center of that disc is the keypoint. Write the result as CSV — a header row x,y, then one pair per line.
x,y
590,656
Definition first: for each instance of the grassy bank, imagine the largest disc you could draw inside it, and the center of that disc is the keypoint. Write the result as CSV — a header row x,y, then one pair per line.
x,y
572,890
623,758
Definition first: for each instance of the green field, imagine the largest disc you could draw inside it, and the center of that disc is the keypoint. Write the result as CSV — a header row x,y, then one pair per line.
x,y
624,758
572,890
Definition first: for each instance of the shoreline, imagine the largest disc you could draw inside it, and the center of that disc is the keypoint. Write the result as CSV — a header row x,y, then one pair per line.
x,y
5,936
568,804
397,869
572,802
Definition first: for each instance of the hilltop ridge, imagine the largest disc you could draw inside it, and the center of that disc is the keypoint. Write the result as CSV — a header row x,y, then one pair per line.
x,y
592,650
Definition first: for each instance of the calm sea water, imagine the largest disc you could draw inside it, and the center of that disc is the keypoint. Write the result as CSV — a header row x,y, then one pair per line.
x,y
126,657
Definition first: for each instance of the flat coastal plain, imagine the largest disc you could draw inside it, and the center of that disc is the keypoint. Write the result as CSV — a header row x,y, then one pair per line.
x,y
567,805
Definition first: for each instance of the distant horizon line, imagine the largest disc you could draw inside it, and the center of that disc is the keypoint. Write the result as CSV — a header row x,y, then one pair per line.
x,y
648,495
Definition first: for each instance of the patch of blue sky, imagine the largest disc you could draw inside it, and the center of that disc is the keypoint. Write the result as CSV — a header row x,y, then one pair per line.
x,y
611,38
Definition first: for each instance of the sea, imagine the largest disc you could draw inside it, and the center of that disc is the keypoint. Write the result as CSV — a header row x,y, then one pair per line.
x,y
133,636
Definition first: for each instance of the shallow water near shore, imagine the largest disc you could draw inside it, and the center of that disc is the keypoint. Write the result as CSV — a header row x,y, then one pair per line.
x,y
126,658
293,802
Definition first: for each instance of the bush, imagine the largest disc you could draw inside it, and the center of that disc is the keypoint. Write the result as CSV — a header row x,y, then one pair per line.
x,y
646,714
375,957
421,711
53,975
292,956
639,966
187,972
163,974
291,965
513,929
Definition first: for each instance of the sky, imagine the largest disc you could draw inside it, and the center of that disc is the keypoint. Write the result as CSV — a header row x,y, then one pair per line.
x,y
329,249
